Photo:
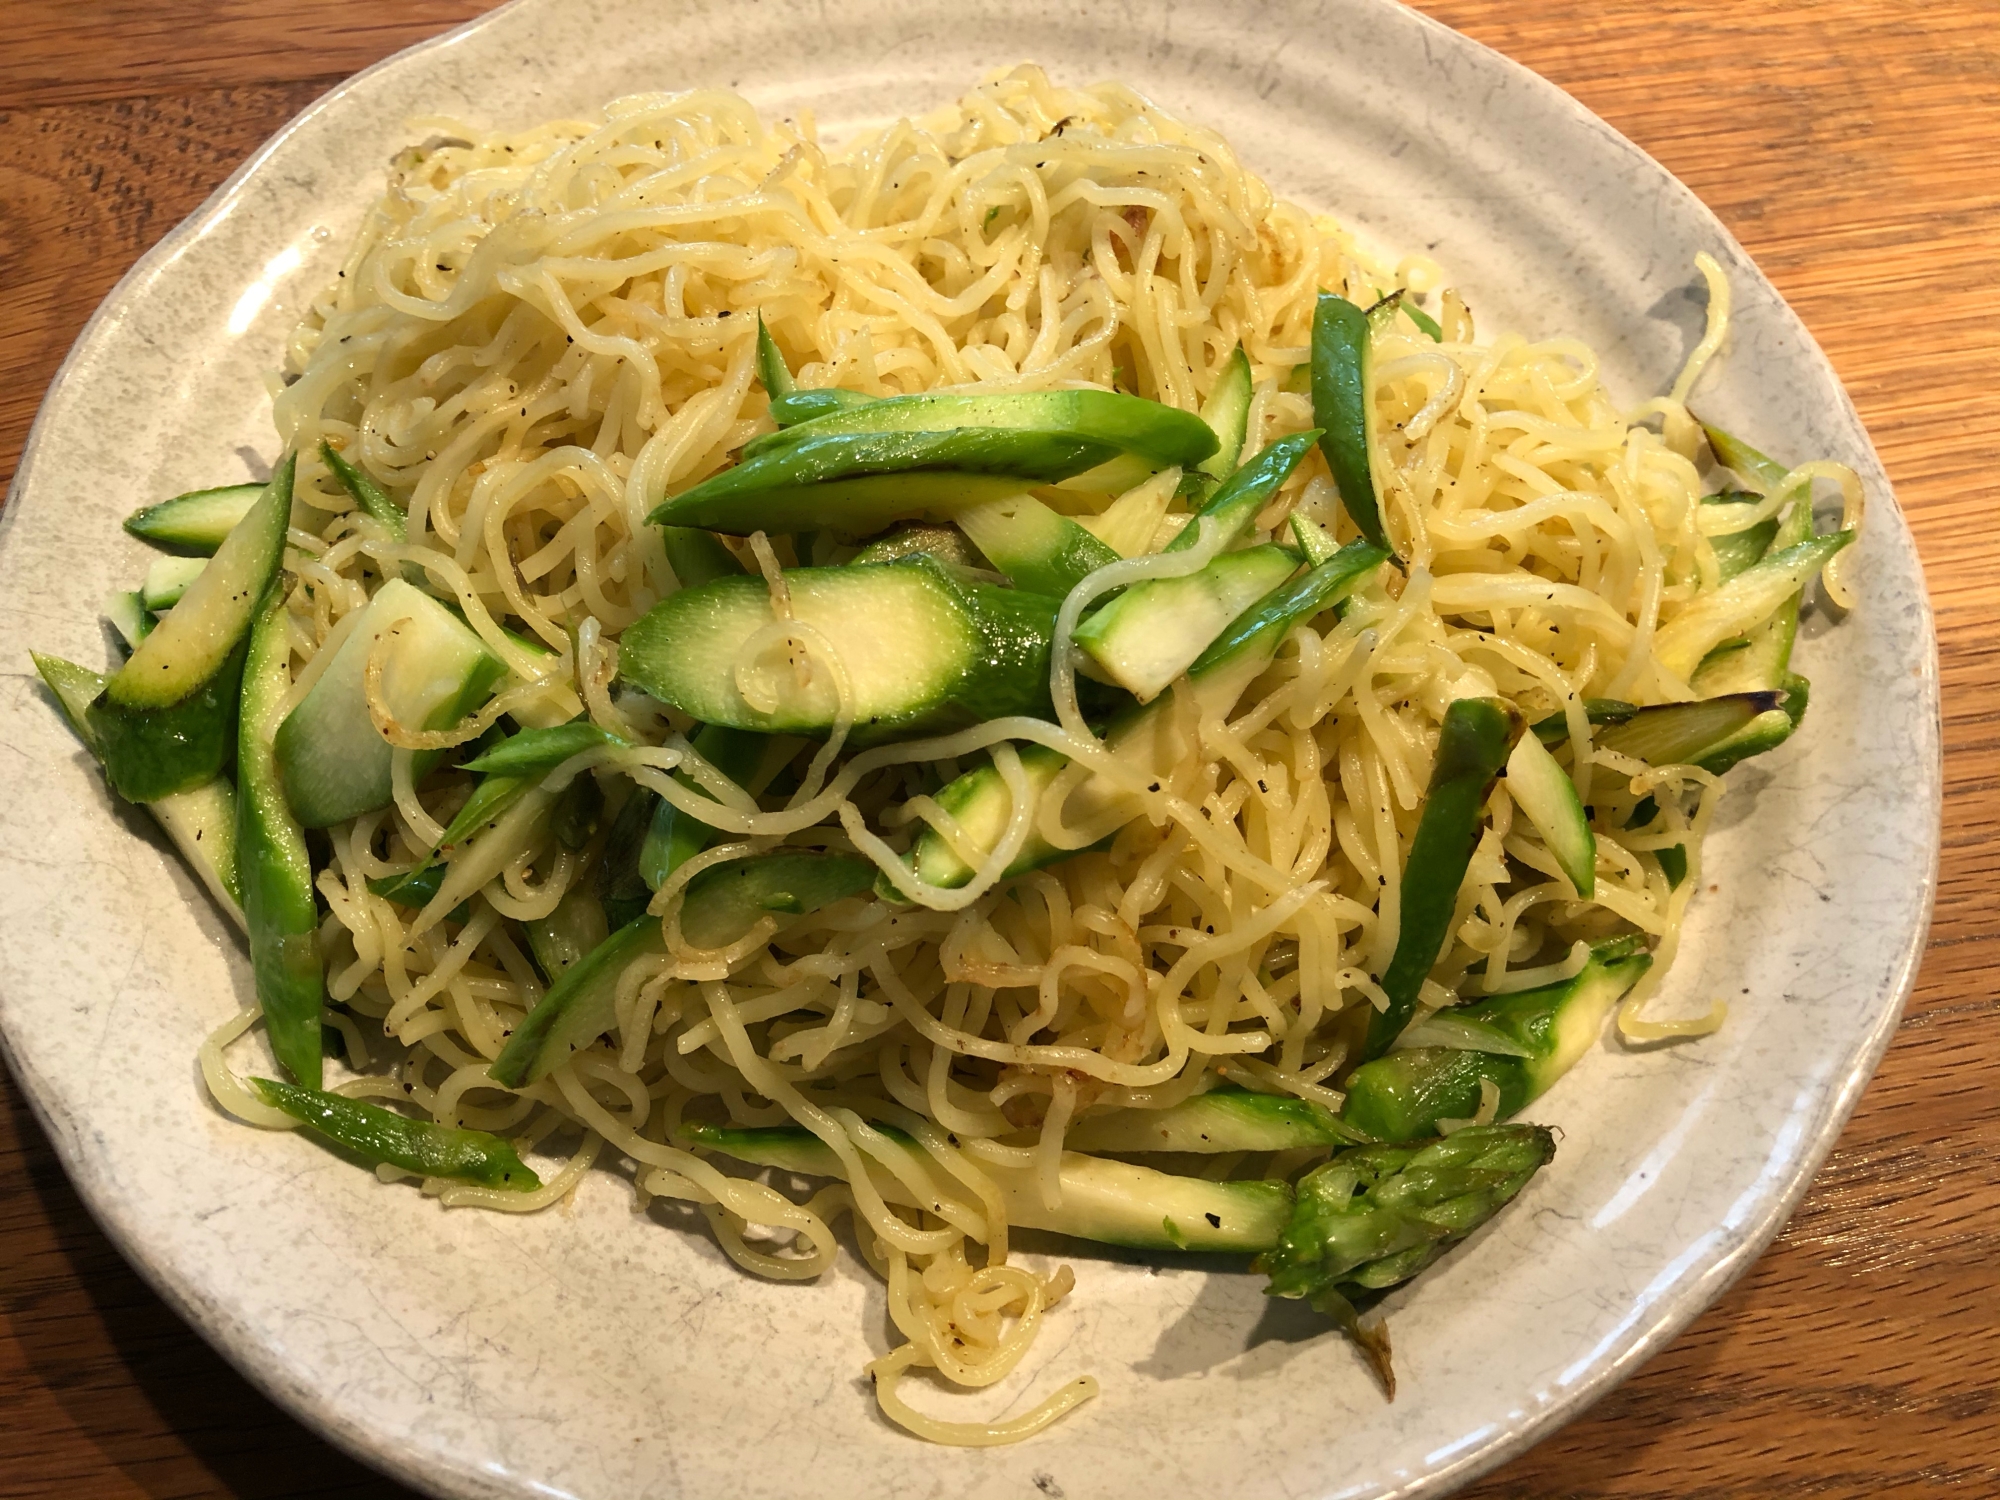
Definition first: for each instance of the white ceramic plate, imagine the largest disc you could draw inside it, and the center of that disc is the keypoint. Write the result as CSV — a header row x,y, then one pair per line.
x,y
600,1354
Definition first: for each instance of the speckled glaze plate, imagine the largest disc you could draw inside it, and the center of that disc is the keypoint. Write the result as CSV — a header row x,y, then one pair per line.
x,y
611,1355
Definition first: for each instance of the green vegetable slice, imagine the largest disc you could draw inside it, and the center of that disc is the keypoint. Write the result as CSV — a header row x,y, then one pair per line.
x,y
127,613
1531,1038
945,543
1314,539
201,820
1553,730
771,368
74,688
1670,734
676,837
1543,791
1160,434
1746,601
1247,491
435,670
1111,1202
366,492
382,1136
194,524
724,901
859,482
1038,550
166,721
1764,662
921,651
1224,1119
1227,412
1343,405
797,406
151,753
1736,551
696,556
191,646
167,579
579,1007
1472,746
536,752
273,867
1153,632
569,934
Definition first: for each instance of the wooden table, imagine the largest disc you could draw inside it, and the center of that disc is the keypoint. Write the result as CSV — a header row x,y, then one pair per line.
x,y
1850,144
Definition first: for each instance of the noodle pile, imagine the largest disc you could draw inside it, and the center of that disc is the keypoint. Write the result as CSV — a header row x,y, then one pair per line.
x,y
537,336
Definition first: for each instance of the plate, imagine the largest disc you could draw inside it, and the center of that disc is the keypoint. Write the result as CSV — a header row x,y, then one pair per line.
x,y
599,1352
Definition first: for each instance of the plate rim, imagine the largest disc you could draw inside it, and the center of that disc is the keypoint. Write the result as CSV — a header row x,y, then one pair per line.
x,y
445,1473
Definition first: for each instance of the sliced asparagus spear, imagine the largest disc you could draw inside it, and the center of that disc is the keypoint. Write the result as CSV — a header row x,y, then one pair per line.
x,y
1472,746
1521,1043
166,720
1126,635
921,650
1224,1119
1542,789
797,406
1149,636
725,901
1344,407
579,1007
435,670
858,482
1038,550
1693,733
167,579
676,837
1227,411
1553,730
947,544
1746,601
1737,551
366,492
376,1134
1765,659
536,752
194,524
274,869
1108,1201
126,610
569,934
772,370
1163,435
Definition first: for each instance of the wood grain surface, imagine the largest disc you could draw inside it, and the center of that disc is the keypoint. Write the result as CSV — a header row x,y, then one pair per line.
x,y
1850,144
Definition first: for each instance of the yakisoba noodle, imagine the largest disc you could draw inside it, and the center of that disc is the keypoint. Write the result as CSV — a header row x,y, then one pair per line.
x,y
537,336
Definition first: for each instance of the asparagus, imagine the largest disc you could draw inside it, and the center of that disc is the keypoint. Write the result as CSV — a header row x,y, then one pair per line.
x,y
1224,1119
1344,410
1112,1202
1520,1043
536,752
1375,1216
381,1135
366,493
1472,746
